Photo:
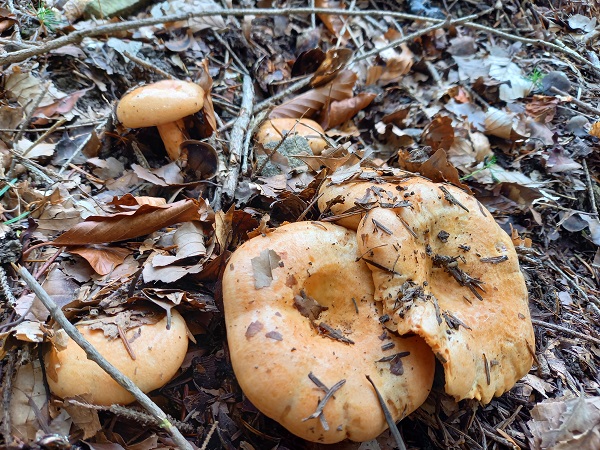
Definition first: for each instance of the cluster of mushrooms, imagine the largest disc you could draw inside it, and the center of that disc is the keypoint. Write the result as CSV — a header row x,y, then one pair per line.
x,y
322,317
319,315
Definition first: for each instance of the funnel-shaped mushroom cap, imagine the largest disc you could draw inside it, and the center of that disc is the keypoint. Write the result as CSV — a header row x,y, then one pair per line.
x,y
446,271
159,103
298,305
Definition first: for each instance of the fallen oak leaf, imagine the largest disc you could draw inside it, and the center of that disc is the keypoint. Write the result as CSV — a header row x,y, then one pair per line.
x,y
131,224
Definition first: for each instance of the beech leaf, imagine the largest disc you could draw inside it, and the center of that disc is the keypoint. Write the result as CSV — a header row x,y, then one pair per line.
x,y
311,102
102,258
262,267
130,224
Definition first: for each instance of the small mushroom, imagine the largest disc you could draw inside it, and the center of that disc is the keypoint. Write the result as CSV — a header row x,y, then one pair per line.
x,y
273,130
446,271
301,320
163,104
158,351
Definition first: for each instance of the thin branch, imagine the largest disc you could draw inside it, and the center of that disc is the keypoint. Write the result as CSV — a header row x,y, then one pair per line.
x,y
93,354
569,98
562,329
236,148
112,28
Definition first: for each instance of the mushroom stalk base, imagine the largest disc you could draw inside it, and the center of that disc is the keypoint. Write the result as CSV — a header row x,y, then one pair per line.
x,y
172,135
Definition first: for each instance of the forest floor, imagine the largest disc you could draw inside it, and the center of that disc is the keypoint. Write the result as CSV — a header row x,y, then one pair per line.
x,y
499,98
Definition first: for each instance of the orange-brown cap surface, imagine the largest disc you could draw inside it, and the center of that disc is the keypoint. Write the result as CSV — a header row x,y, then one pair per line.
x,y
159,354
274,290
446,271
159,103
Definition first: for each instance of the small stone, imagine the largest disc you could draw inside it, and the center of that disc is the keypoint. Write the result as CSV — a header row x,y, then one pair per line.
x,y
555,79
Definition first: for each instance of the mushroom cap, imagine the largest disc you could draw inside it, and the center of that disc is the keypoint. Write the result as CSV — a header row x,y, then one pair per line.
x,y
349,200
274,347
272,129
159,354
412,251
159,103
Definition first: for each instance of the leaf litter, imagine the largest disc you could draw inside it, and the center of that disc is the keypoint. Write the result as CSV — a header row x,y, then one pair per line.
x,y
105,220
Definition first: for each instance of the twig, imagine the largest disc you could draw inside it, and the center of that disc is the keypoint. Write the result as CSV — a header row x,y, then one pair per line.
x,y
388,418
571,99
93,354
256,121
9,369
146,65
233,54
562,329
557,47
134,414
590,187
213,427
236,147
275,98
112,28
44,136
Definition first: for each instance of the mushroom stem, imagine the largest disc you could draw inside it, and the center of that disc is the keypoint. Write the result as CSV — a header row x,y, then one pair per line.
x,y
172,135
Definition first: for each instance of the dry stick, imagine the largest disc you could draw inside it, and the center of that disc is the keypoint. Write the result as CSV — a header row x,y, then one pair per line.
x,y
108,29
562,48
236,149
44,136
590,187
93,354
552,326
572,99
388,417
112,28
146,65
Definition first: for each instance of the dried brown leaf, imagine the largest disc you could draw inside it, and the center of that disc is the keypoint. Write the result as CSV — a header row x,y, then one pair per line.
x,y
342,111
102,258
131,224
333,23
311,102
439,133
335,60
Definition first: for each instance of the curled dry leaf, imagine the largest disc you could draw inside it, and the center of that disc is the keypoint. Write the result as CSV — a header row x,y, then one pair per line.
x,y
311,102
131,224
335,60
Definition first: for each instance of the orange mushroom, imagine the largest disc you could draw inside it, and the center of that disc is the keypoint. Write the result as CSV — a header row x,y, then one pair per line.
x,y
158,352
446,271
163,104
302,323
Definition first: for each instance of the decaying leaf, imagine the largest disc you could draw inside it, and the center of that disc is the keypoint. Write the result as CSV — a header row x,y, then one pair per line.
x,y
102,258
311,102
262,267
566,424
131,224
